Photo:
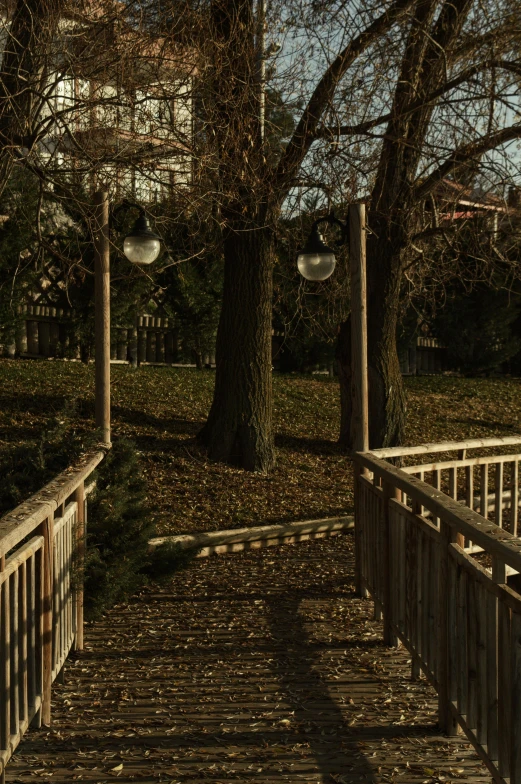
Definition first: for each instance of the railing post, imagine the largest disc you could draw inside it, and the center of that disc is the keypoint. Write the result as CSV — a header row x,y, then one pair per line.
x,y
504,675
360,589
389,636
47,531
79,497
5,672
446,718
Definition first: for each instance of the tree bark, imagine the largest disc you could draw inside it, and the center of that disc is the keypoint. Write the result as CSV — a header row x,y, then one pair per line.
x,y
239,425
387,403
343,358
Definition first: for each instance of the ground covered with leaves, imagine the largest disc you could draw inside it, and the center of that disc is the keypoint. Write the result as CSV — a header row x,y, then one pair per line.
x,y
260,666
162,409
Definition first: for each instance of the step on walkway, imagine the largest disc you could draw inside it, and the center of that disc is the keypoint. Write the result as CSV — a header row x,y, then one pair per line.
x,y
260,667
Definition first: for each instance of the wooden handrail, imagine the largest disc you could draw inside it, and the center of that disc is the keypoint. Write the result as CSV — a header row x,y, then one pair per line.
x,y
21,521
461,463
447,446
467,522
460,621
41,612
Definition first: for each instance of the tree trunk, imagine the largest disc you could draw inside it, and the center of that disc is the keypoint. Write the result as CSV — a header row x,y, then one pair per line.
x,y
387,404
343,358
239,426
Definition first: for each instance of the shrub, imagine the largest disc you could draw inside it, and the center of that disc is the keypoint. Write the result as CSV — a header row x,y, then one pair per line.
x,y
117,561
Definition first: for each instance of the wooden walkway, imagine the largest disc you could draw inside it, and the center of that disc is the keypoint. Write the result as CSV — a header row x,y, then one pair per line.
x,y
253,667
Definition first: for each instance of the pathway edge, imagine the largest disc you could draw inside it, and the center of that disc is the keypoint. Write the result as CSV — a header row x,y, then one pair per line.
x,y
238,539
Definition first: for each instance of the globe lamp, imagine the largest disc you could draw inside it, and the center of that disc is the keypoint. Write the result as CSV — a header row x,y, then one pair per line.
x,y
141,246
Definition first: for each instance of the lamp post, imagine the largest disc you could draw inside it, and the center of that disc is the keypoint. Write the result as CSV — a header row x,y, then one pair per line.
x,y
141,246
316,261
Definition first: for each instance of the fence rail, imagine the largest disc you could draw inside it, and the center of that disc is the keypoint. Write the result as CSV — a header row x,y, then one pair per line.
x,y
47,332
41,600
416,557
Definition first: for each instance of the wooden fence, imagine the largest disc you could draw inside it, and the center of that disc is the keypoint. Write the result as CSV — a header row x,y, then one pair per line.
x,y
46,331
425,356
41,600
437,571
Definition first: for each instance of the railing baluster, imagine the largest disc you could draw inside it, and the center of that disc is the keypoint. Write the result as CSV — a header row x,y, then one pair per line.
x,y
388,578
492,676
68,597
40,618
32,620
427,597
453,483
414,592
22,626
515,763
514,497
445,693
481,679
63,609
14,653
483,491
437,485
469,486
498,495
462,647
55,602
475,653
5,667
504,674
47,617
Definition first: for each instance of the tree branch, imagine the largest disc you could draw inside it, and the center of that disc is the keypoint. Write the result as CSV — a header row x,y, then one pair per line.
x,y
305,132
464,76
465,153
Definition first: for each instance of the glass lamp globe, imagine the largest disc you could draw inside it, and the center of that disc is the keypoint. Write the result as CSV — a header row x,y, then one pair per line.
x,y
316,266
141,246
316,261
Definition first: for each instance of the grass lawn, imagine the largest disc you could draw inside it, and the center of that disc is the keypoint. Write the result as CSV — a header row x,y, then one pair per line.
x,y
161,409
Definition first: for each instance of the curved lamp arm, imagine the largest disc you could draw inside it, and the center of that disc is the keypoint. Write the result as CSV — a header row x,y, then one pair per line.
x,y
332,220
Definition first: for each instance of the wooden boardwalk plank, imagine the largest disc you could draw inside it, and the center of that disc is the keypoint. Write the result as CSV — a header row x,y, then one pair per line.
x,y
255,667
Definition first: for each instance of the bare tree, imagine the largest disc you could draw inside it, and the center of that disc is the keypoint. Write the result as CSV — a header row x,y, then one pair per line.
x,y
451,104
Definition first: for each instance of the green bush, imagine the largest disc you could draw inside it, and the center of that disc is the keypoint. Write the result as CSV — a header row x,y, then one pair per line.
x,y
117,561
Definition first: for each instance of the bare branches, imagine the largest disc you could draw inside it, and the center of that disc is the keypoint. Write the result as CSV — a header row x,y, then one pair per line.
x,y
467,75
465,153
323,94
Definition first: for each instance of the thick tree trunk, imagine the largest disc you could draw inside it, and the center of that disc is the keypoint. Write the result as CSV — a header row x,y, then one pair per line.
x,y
387,404
239,426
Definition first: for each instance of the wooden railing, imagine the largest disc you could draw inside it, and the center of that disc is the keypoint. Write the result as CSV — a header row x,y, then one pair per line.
x,y
41,600
437,571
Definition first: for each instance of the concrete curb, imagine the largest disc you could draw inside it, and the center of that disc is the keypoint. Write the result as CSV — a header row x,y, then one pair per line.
x,y
237,539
